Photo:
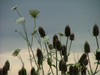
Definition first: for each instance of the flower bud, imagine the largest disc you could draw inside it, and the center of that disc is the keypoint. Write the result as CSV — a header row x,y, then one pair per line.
x,y
97,55
86,47
95,30
5,71
83,57
41,32
55,37
63,50
67,31
72,37
50,46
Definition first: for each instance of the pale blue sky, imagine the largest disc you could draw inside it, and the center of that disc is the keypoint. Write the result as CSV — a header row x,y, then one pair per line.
x,y
80,15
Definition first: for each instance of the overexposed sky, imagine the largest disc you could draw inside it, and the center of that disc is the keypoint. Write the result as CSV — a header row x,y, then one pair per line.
x,y
53,17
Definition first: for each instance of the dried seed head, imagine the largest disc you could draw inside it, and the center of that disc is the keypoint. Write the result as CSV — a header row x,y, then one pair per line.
x,y
83,71
32,71
58,45
40,56
63,50
7,64
85,62
75,70
67,31
23,71
60,64
71,70
65,58
5,70
83,57
63,67
1,71
87,47
72,37
95,30
97,55
41,32
55,37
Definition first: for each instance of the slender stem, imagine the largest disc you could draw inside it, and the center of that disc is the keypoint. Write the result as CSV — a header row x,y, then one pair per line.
x,y
56,63
42,69
66,44
18,13
96,68
97,43
69,47
21,59
90,64
51,70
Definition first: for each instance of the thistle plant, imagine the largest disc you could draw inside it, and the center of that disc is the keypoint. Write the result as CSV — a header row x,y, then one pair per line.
x,y
53,50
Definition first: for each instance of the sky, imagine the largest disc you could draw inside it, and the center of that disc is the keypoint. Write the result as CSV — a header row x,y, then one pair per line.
x,y
80,15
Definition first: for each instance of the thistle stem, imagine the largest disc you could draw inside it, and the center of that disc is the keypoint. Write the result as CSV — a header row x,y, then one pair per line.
x,y
56,63
90,64
97,43
69,48
66,44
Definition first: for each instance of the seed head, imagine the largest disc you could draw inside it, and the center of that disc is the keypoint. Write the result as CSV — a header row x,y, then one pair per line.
x,y
60,64
85,62
71,70
63,50
41,32
97,55
55,37
7,64
63,67
67,31
32,71
40,56
58,45
83,57
87,47
75,70
72,37
95,30
65,58
34,13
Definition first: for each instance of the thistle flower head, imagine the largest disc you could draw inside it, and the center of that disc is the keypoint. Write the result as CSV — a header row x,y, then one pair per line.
x,y
58,45
75,70
97,55
14,8
16,52
60,64
20,20
85,62
63,67
7,64
95,30
22,71
87,47
72,37
41,32
34,13
40,56
67,31
71,69
65,58
83,57
33,71
55,37
63,50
